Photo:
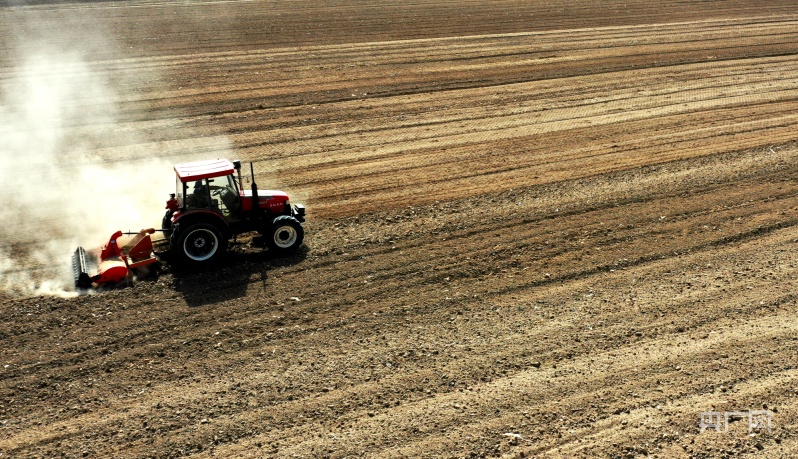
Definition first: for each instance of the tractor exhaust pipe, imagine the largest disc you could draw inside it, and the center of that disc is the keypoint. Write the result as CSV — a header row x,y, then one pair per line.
x,y
255,199
237,167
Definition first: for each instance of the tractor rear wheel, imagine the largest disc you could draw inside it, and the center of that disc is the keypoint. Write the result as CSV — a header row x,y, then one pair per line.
x,y
200,244
285,235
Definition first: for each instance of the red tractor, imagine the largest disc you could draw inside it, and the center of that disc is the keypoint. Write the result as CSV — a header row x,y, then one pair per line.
x,y
209,207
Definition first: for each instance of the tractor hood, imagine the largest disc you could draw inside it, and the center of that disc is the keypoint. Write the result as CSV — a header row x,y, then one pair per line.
x,y
266,194
273,200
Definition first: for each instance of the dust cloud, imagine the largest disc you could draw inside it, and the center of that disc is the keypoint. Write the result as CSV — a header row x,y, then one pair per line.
x,y
71,172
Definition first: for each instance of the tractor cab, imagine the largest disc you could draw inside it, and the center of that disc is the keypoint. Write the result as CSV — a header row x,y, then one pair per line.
x,y
208,185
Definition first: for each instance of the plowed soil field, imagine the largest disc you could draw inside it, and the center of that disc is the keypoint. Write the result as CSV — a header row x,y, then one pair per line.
x,y
535,229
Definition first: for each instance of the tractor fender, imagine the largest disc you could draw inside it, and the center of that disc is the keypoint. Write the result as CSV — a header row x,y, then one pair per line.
x,y
186,219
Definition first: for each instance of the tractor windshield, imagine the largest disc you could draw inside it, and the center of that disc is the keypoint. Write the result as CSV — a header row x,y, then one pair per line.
x,y
224,196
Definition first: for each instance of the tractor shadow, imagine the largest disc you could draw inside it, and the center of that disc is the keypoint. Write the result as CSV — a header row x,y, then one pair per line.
x,y
232,277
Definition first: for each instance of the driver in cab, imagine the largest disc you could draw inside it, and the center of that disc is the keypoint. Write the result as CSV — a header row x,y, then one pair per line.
x,y
199,196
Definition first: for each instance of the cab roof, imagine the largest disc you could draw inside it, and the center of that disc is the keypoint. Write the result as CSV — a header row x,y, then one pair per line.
x,y
199,170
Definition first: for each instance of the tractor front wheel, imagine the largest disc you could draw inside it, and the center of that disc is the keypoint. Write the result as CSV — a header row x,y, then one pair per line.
x,y
285,235
201,244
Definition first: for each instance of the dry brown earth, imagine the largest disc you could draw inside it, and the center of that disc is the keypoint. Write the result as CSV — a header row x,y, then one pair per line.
x,y
536,229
